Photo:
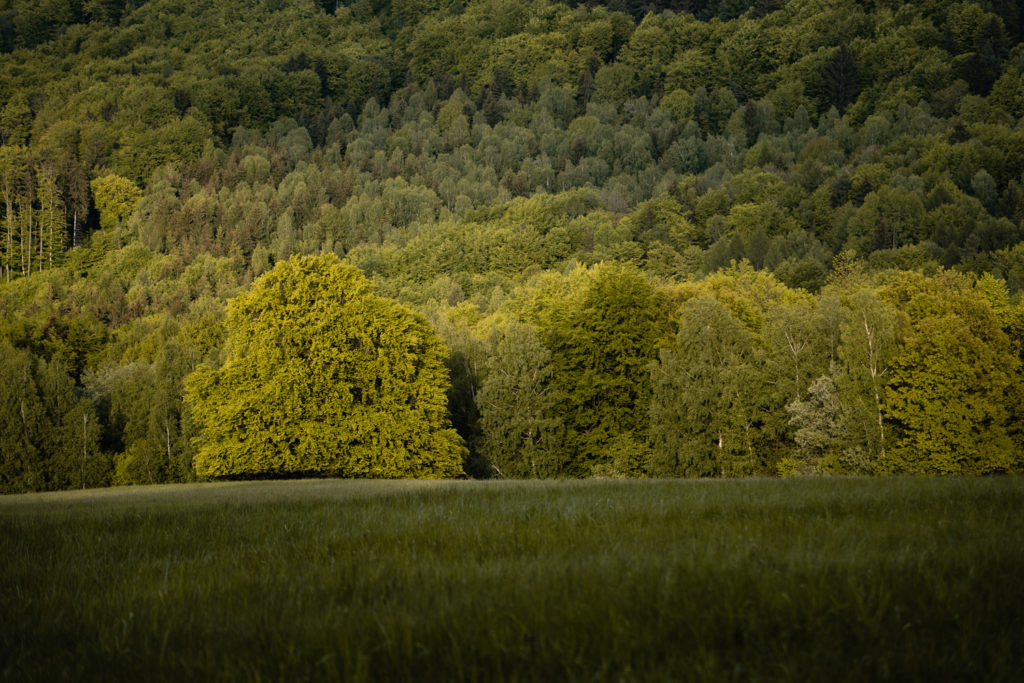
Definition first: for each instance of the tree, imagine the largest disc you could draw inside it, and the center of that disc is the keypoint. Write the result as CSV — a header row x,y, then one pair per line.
x,y
20,457
869,339
12,173
51,216
841,80
840,425
522,432
115,198
70,435
322,377
145,417
15,120
821,428
601,341
948,392
49,438
708,386
944,397
75,190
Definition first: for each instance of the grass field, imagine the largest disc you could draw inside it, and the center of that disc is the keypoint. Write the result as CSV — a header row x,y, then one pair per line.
x,y
831,579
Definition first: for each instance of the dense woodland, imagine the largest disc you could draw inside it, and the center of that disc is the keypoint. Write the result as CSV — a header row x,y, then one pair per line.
x,y
639,239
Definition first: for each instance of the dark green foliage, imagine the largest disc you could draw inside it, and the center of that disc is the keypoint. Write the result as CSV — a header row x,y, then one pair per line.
x,y
521,411
708,388
841,79
601,342
146,422
49,438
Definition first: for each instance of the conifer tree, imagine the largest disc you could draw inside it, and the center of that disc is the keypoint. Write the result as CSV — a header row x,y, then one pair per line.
x,y
48,436
841,79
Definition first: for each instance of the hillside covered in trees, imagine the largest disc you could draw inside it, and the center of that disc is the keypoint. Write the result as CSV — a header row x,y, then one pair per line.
x,y
656,239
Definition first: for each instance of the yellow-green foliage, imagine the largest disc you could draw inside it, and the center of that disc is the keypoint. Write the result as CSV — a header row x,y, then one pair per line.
x,y
115,198
323,377
951,390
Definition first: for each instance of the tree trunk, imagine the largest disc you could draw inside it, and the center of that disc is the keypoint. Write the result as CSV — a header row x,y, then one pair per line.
x,y
85,441
167,432
41,240
50,249
10,234
875,376
28,241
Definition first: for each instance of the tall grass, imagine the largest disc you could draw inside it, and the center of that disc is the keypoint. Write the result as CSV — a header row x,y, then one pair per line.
x,y
835,579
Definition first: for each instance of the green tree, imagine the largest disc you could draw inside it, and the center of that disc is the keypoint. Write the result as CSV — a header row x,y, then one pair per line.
x,y
51,216
115,198
602,339
20,456
70,435
49,438
15,120
947,395
12,175
145,419
821,426
323,377
841,80
840,425
868,338
945,399
522,433
706,406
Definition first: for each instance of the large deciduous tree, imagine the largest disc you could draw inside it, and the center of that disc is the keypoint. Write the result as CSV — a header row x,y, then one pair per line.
x,y
322,377
949,392
115,198
709,386
522,430
601,340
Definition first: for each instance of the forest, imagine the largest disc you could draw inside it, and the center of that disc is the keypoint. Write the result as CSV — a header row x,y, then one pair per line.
x,y
552,239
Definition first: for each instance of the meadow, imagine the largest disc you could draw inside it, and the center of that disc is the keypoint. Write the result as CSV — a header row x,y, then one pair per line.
x,y
812,579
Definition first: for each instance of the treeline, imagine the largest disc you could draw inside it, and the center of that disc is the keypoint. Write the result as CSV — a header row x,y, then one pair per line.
x,y
599,371
603,371
741,171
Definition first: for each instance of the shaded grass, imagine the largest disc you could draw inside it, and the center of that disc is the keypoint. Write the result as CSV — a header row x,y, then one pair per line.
x,y
837,579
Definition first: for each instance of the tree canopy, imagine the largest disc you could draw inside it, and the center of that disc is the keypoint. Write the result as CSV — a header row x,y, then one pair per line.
x,y
322,377
616,216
